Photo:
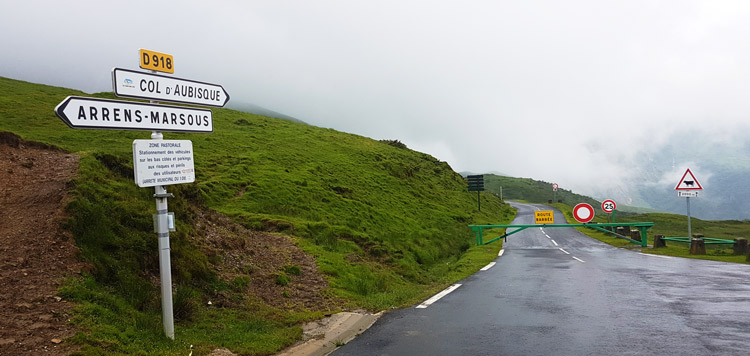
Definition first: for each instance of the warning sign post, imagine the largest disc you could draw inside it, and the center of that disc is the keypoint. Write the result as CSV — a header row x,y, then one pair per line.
x,y
688,187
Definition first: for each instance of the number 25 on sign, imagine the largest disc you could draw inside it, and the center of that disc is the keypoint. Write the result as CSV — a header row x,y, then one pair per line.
x,y
157,61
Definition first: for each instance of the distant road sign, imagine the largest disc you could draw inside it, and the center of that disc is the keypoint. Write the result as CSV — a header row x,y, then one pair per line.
x,y
156,61
163,162
609,206
583,212
544,217
140,85
476,183
95,113
687,194
554,187
688,182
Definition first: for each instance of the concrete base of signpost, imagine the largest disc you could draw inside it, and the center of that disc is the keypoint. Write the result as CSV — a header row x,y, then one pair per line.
x,y
659,241
697,246
740,246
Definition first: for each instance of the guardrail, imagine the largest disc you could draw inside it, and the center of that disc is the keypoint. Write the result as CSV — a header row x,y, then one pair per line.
x,y
641,226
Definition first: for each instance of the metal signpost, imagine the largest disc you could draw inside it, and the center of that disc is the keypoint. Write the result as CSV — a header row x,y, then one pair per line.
x,y
688,187
609,206
554,192
476,184
156,162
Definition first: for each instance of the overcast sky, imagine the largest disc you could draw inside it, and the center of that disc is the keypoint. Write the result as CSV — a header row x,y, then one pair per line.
x,y
571,92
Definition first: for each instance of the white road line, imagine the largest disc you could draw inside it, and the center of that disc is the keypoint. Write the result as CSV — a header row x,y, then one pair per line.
x,y
553,241
437,297
502,251
578,259
487,266
648,254
566,252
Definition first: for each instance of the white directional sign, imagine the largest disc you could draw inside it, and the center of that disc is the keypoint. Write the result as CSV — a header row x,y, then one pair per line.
x,y
95,113
141,85
687,194
688,182
163,162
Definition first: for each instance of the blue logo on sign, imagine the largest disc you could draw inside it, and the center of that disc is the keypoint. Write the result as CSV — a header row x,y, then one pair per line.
x,y
128,83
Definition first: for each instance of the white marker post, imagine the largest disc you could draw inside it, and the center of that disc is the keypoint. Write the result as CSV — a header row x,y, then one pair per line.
x,y
165,264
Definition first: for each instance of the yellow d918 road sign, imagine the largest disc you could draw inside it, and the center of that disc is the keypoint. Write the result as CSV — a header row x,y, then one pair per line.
x,y
157,61
544,217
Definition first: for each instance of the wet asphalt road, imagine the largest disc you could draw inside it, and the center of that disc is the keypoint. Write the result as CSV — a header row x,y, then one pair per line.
x,y
557,292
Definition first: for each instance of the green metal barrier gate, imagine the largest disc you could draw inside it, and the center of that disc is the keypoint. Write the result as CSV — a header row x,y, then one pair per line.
x,y
641,226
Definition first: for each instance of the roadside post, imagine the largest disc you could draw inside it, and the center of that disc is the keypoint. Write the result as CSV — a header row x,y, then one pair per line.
x,y
476,184
156,162
687,188
609,206
554,192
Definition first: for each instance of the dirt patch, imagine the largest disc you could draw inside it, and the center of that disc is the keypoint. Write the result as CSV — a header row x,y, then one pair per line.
x,y
268,266
36,254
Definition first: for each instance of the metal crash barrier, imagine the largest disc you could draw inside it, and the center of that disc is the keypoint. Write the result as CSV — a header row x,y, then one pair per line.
x,y
641,226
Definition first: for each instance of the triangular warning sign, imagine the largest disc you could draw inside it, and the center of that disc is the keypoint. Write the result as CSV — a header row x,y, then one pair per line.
x,y
688,182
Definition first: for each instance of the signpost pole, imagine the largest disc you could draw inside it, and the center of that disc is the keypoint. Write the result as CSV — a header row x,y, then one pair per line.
x,y
479,202
165,266
690,231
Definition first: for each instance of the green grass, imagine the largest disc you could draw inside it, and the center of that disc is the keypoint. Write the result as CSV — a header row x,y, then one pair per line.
x,y
388,226
672,225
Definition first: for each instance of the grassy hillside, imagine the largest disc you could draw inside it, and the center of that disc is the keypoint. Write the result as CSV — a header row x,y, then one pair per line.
x,y
386,225
533,191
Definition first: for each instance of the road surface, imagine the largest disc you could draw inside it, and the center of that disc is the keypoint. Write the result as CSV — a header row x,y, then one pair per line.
x,y
555,291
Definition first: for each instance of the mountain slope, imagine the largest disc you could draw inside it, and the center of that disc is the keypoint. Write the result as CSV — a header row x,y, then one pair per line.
x,y
385,225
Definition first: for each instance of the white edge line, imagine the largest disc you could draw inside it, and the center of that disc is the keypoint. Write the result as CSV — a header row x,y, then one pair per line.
x,y
437,297
578,259
502,251
648,254
490,265
566,252
553,241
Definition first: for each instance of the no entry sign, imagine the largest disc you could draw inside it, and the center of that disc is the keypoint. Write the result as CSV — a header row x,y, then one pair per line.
x,y
583,213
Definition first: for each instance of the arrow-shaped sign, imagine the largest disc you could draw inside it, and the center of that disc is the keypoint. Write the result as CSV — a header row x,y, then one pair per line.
x,y
141,85
95,113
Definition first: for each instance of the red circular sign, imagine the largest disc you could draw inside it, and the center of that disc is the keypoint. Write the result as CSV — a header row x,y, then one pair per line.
x,y
609,206
583,212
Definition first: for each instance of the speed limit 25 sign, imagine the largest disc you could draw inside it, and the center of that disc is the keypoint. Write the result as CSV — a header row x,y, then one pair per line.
x,y
609,206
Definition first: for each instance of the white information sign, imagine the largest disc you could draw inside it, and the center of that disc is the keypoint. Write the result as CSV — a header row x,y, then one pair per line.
x,y
140,85
163,162
687,194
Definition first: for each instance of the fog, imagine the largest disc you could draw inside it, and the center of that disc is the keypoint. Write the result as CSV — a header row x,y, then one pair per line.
x,y
575,92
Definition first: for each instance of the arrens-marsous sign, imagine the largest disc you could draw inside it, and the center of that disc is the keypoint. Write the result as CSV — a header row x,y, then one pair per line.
x,y
95,113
